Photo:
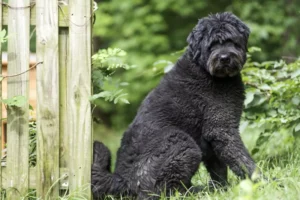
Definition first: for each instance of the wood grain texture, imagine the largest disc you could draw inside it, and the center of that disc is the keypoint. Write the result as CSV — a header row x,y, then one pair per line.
x,y
78,93
18,117
62,17
47,99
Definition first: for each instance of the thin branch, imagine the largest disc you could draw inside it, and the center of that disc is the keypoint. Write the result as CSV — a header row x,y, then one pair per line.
x,y
93,108
8,76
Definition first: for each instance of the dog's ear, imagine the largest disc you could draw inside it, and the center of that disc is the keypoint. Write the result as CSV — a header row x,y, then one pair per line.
x,y
194,46
191,40
194,40
243,29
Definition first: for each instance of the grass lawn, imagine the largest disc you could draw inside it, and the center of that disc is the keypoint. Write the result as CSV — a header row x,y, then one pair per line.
x,y
286,170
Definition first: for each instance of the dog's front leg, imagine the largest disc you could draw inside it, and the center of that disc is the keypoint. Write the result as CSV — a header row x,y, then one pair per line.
x,y
229,149
217,170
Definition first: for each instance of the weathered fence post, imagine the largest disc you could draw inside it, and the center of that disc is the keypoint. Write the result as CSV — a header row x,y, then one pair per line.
x,y
47,99
78,93
64,132
18,117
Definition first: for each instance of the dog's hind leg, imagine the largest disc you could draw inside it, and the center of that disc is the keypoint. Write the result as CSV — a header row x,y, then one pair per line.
x,y
173,162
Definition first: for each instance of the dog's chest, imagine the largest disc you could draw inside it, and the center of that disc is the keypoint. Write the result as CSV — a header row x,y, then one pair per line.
x,y
198,102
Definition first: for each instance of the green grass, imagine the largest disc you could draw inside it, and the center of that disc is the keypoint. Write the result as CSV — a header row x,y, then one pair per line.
x,y
286,186
286,170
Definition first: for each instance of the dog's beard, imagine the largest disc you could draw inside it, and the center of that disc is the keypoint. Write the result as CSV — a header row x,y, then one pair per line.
x,y
225,69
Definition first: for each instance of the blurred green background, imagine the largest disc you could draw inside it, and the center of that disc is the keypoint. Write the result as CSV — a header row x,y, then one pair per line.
x,y
154,32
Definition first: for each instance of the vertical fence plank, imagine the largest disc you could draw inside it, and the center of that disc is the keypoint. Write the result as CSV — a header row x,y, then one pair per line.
x,y
18,117
63,63
1,98
63,120
78,93
47,99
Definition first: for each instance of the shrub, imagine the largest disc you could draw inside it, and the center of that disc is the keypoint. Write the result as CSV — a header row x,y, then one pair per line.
x,y
271,118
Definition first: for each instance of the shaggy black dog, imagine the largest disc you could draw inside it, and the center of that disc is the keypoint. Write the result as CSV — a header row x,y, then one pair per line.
x,y
193,115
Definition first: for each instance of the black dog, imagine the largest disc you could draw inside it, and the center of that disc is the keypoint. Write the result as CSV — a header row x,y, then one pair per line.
x,y
193,115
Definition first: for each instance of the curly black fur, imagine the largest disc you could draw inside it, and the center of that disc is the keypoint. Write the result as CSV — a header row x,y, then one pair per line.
x,y
193,115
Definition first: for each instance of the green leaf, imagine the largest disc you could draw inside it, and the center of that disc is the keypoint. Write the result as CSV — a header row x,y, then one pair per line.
x,y
119,97
124,84
297,128
272,113
17,101
295,73
124,101
1,78
249,98
31,107
296,100
265,87
103,94
254,49
3,37
258,100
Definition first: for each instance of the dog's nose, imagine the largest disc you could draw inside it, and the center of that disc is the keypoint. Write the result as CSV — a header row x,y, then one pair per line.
x,y
224,58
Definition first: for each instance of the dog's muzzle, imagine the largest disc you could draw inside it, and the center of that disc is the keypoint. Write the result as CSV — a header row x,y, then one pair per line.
x,y
224,64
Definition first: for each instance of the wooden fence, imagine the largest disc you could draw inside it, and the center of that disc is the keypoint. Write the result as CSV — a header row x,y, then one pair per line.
x,y
64,135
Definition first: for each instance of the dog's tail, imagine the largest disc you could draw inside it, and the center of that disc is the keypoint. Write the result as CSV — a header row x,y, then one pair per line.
x,y
103,181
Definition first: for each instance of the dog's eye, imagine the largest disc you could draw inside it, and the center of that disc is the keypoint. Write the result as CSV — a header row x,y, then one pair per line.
x,y
214,46
230,42
238,46
235,43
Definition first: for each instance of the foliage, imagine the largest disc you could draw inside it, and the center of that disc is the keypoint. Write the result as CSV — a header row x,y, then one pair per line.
x,y
151,30
105,64
17,101
130,24
272,105
107,59
273,27
3,36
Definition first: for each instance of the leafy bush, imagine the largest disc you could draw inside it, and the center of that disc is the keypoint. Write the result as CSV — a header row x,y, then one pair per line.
x,y
272,106
106,63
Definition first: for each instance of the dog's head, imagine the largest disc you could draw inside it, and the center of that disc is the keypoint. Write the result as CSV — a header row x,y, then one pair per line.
x,y
219,43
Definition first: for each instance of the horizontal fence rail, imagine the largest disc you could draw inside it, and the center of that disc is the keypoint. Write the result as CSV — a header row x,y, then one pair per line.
x,y
63,115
